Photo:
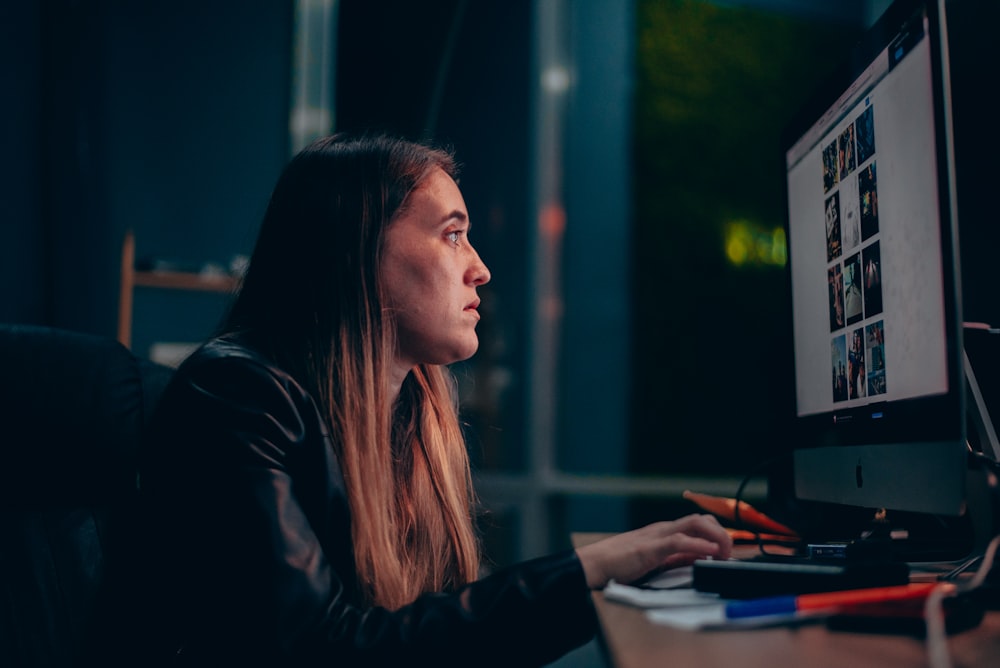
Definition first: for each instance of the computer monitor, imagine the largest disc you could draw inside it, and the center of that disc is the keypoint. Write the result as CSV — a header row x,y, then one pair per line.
x,y
879,418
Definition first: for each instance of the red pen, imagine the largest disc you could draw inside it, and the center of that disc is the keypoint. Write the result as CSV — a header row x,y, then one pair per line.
x,y
833,601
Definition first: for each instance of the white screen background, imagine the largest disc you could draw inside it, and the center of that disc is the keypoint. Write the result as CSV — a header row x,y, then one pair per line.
x,y
910,244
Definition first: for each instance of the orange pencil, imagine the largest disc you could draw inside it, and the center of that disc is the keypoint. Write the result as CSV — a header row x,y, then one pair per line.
x,y
726,509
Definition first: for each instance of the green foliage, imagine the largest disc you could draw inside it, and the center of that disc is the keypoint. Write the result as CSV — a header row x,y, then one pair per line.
x,y
714,85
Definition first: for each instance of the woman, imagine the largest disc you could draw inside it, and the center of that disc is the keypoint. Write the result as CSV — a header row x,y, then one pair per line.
x,y
308,488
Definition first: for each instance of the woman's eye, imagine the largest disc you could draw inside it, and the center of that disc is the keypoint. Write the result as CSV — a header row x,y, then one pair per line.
x,y
454,236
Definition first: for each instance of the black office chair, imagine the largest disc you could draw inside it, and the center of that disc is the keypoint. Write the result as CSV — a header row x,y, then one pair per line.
x,y
72,411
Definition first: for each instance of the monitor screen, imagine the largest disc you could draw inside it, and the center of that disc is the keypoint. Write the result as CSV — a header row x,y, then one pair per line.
x,y
871,226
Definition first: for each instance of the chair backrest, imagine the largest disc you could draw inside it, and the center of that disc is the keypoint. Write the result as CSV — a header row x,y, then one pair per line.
x,y
73,407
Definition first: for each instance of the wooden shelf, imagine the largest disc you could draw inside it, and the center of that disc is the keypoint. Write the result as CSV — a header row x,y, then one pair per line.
x,y
167,280
178,280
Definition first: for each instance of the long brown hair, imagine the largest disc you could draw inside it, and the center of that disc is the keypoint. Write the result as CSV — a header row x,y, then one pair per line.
x,y
312,299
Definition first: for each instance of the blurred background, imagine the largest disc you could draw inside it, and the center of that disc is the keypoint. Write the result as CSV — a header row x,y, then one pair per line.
x,y
620,165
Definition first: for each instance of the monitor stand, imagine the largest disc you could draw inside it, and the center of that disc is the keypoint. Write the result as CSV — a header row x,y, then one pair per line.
x,y
906,537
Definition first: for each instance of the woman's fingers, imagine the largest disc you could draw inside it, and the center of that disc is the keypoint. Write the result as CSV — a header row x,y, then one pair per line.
x,y
707,529
631,555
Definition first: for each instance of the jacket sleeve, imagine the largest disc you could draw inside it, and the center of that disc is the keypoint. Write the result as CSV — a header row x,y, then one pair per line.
x,y
253,535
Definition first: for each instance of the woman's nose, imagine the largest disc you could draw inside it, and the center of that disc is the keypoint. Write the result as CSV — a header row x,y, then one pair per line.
x,y
478,273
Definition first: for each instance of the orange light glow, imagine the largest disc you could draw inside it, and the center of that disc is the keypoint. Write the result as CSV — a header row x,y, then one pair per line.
x,y
552,221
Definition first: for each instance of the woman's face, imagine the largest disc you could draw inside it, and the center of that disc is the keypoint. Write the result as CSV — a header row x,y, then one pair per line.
x,y
431,273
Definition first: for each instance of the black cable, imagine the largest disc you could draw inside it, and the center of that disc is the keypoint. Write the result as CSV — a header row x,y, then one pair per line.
x,y
739,521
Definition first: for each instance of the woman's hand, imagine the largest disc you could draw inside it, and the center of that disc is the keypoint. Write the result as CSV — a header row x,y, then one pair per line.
x,y
629,556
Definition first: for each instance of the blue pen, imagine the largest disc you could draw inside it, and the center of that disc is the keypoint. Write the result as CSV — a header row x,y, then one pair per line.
x,y
759,607
826,601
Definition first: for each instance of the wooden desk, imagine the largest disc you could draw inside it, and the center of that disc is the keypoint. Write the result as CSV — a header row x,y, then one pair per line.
x,y
629,640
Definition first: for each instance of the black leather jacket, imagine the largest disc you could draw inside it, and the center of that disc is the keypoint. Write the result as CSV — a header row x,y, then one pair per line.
x,y
250,546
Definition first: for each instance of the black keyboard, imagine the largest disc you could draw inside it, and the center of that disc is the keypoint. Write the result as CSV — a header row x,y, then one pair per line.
x,y
775,575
